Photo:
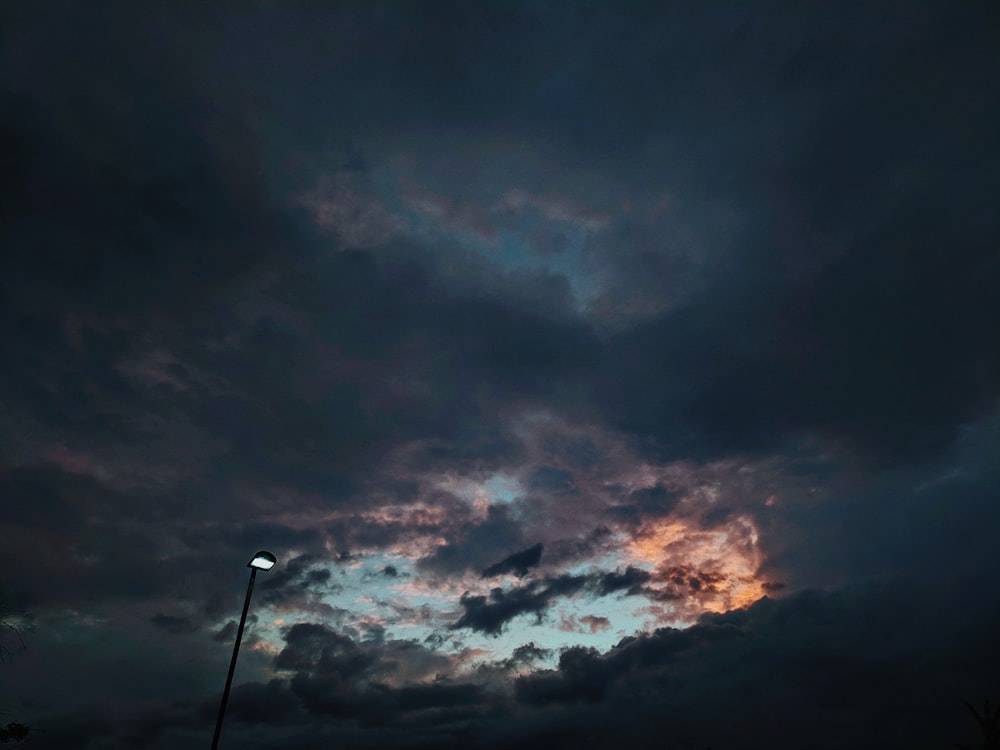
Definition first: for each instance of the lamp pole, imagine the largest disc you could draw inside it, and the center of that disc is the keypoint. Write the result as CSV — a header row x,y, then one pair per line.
x,y
263,560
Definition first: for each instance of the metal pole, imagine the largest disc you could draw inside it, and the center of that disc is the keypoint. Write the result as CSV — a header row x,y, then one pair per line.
x,y
232,664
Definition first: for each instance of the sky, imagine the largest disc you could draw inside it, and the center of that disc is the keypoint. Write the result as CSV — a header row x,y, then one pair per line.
x,y
600,374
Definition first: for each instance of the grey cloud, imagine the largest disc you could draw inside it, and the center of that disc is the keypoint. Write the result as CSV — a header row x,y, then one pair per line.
x,y
315,648
865,674
519,563
319,651
476,543
749,234
874,252
299,583
489,614
529,652
857,662
642,504
253,703
227,633
593,542
410,707
549,478
175,625
630,580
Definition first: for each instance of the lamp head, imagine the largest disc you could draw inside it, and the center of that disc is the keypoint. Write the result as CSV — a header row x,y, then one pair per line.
x,y
263,560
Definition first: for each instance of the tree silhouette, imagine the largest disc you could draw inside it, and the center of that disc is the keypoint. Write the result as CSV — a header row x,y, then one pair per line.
x,y
989,723
10,637
11,640
14,732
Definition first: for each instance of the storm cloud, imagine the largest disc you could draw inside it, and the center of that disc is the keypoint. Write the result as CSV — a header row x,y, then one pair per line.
x,y
599,375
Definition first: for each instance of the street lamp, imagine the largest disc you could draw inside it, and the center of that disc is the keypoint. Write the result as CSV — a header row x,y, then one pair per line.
x,y
263,560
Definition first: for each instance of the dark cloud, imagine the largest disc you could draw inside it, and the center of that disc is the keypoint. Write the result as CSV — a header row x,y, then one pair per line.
x,y
594,542
518,563
528,653
630,580
297,582
684,575
586,679
716,517
411,707
639,505
139,232
489,614
47,495
855,662
253,703
871,247
901,524
297,569
174,624
227,633
310,278
549,478
337,677
61,538
315,648
477,543
320,651
847,662
136,197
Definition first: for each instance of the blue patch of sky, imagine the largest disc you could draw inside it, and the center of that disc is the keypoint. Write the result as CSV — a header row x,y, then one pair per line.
x,y
368,593
512,248
518,251
501,488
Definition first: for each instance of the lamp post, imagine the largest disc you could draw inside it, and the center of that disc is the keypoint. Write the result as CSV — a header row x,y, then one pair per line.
x,y
263,560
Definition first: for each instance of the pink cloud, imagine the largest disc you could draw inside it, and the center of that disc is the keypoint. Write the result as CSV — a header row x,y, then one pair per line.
x,y
342,205
555,207
449,214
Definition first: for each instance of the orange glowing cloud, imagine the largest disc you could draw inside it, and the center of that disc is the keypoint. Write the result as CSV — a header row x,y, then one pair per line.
x,y
699,570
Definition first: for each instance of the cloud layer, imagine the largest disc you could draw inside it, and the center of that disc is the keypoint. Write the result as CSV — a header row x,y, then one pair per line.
x,y
596,374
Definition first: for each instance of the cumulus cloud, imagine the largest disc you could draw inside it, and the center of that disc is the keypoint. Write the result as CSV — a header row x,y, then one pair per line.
x,y
768,675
